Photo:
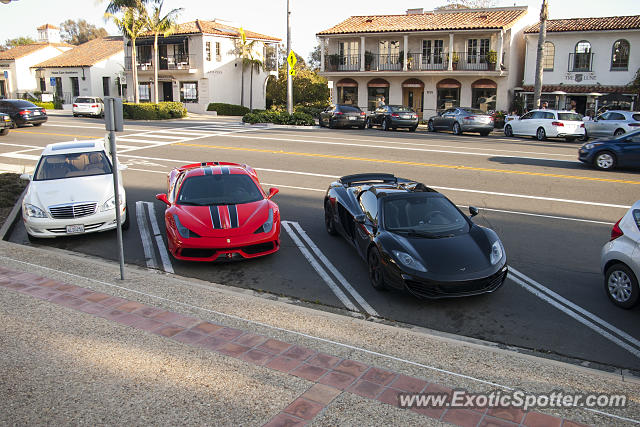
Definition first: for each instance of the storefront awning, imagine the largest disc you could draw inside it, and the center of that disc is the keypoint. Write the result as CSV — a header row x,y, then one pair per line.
x,y
484,84
448,84
378,83
412,83
347,83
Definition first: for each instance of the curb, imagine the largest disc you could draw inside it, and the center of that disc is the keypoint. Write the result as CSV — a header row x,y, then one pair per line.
x,y
13,215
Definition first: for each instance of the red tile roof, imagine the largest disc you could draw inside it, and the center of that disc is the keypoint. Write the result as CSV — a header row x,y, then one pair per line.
x,y
492,18
27,49
87,54
581,89
216,28
48,27
589,24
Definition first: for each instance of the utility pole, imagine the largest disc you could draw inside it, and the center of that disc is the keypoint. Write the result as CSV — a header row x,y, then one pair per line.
x,y
542,35
289,68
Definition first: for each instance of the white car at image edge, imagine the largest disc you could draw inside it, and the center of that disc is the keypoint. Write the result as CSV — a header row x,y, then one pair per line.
x,y
88,106
543,124
620,260
71,191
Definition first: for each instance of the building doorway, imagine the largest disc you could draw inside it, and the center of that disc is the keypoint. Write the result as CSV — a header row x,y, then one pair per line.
x,y
413,94
581,104
167,92
3,89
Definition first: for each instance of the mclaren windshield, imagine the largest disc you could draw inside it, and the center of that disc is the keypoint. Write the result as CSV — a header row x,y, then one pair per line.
x,y
424,215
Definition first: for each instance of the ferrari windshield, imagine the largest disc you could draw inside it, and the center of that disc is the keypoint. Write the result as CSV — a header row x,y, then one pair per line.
x,y
72,165
423,215
228,189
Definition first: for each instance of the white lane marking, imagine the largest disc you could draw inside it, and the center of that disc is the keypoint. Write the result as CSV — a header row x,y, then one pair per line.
x,y
14,168
142,141
155,135
297,173
323,274
294,187
147,246
541,216
577,308
576,316
289,331
164,255
387,147
18,155
35,147
345,284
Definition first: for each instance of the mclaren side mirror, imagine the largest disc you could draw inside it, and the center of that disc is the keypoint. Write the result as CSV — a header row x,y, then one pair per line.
x,y
163,198
473,211
26,177
272,192
360,219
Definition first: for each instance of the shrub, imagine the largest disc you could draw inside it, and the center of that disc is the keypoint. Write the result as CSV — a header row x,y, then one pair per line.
x,y
57,103
227,109
45,105
148,111
279,117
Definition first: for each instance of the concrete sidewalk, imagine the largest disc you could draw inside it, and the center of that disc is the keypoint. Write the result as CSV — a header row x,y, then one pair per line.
x,y
82,347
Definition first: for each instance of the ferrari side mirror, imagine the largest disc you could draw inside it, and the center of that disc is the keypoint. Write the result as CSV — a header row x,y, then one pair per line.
x,y
272,192
163,198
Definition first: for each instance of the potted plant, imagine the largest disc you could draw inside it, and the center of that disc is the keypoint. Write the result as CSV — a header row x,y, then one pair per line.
x,y
492,58
368,60
455,58
333,60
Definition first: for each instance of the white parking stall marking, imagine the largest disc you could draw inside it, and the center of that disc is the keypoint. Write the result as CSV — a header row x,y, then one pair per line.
x,y
164,255
147,246
588,319
345,284
316,266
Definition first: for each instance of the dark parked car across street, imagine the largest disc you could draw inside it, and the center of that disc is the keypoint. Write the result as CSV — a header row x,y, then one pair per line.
x,y
5,124
611,152
414,238
393,117
342,116
23,112
461,120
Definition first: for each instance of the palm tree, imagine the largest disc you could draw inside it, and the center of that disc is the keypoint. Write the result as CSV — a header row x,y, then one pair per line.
x,y
253,61
244,49
132,24
537,90
157,24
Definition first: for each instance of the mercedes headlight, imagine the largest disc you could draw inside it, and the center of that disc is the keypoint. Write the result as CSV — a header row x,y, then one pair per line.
x,y
268,224
409,261
34,211
496,252
111,204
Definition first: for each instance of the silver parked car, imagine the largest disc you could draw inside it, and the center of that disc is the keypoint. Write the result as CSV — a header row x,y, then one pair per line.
x,y
612,123
620,260
461,120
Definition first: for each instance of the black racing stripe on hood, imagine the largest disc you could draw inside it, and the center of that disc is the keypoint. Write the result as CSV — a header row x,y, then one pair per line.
x,y
233,216
215,217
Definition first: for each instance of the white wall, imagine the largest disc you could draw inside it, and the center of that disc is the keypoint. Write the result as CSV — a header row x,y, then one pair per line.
x,y
22,77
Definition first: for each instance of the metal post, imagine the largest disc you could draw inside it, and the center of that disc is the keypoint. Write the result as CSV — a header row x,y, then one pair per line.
x,y
289,78
116,184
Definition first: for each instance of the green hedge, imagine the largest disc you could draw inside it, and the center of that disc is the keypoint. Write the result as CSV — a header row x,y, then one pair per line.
x,y
45,105
159,111
227,109
279,117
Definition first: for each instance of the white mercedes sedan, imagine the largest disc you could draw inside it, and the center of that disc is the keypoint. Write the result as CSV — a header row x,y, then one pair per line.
x,y
71,191
543,124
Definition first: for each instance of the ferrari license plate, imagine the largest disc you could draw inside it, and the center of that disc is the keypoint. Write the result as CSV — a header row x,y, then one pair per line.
x,y
352,118
73,229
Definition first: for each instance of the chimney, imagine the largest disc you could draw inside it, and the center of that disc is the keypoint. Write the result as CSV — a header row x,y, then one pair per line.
x,y
49,34
418,11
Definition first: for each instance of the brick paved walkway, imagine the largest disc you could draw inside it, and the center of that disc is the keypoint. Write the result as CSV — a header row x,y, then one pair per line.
x,y
331,375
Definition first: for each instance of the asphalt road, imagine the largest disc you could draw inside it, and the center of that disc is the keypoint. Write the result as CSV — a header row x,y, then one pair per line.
x,y
552,213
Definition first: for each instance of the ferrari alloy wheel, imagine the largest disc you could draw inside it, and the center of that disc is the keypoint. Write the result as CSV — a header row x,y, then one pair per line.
x,y
508,131
541,135
328,219
605,160
457,130
621,286
375,270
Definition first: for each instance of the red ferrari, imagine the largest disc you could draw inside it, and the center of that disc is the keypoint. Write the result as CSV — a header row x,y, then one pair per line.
x,y
219,209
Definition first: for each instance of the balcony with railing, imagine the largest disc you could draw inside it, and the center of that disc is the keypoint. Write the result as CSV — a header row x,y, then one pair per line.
x,y
169,62
430,62
342,62
580,62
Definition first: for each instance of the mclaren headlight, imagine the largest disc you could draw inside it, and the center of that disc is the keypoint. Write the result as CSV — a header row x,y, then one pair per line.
x,y
182,230
497,251
268,224
34,211
409,261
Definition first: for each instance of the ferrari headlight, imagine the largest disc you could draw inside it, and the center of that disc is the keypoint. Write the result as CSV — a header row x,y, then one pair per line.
x,y
34,211
409,261
182,230
496,252
268,224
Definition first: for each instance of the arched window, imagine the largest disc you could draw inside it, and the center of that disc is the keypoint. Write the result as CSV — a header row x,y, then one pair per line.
x,y
582,56
548,55
620,55
448,94
377,93
347,92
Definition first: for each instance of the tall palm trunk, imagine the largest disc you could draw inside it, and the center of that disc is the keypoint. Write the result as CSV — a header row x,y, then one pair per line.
x,y
242,85
155,69
537,91
251,89
134,68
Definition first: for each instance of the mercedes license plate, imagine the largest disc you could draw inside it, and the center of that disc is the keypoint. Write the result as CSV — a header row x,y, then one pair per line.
x,y
73,229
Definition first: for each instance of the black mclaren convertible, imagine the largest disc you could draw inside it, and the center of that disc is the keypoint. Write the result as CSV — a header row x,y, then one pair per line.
x,y
414,238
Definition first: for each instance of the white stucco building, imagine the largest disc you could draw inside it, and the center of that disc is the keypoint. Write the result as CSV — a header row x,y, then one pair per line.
x,y
427,60
16,73
588,60
93,68
198,65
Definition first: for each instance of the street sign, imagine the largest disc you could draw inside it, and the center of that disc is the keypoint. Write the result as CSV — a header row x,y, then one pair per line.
x,y
52,81
292,72
6,74
291,59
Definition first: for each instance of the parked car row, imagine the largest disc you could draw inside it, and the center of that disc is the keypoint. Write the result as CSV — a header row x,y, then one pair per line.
x,y
22,112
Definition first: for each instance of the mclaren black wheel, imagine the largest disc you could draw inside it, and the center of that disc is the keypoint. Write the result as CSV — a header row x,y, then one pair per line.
x,y
376,276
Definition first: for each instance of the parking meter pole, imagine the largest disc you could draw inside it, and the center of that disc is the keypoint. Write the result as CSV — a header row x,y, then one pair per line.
x,y
116,184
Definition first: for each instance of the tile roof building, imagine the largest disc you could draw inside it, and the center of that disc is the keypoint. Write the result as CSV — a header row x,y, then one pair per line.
x,y
589,61
430,61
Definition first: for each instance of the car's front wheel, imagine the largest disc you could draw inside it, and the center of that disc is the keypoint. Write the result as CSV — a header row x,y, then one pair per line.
x,y
621,286
4,131
329,222
430,126
37,124
541,135
376,276
619,132
369,123
605,160
457,130
508,131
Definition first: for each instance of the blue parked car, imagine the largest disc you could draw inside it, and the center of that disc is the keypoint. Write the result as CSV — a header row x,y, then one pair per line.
x,y
608,153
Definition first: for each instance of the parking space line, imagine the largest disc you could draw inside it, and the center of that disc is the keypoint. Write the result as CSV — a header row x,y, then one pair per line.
x,y
164,255
149,254
323,274
584,317
335,271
